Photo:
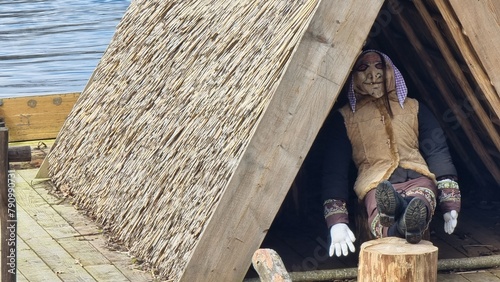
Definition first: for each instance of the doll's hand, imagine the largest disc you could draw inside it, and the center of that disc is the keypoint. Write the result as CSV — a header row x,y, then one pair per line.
x,y
342,238
450,221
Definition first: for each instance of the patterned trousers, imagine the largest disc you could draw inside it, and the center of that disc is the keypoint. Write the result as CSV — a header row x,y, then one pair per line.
x,y
422,187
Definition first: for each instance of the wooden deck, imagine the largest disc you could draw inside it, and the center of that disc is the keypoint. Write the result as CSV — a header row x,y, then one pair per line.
x,y
302,244
58,243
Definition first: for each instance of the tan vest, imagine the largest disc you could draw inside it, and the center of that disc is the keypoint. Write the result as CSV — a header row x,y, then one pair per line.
x,y
379,144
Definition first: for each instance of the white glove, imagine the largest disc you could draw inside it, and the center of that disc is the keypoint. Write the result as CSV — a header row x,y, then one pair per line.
x,y
450,221
342,237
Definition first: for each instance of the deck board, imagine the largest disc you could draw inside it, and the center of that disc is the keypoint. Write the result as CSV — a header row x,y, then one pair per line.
x,y
70,247
58,243
30,266
48,249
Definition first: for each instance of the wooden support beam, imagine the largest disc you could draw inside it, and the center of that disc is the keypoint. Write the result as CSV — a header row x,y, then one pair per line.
x,y
8,216
306,93
443,88
479,24
469,55
36,117
459,75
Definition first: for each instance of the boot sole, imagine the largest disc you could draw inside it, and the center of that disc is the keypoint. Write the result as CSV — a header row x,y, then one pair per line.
x,y
416,219
386,203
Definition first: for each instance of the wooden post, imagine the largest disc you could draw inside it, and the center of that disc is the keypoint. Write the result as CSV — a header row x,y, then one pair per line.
x,y
393,259
19,154
8,215
269,266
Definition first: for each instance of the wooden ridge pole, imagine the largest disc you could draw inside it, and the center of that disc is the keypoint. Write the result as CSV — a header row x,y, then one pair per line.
x,y
8,216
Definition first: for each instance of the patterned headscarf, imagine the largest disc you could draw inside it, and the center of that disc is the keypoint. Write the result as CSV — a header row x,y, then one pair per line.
x,y
401,89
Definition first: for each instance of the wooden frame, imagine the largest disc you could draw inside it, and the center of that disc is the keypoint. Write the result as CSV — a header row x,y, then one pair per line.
x,y
36,117
308,90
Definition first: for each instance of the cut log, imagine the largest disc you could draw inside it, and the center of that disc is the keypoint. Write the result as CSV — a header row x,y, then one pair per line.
x,y
393,259
19,154
269,266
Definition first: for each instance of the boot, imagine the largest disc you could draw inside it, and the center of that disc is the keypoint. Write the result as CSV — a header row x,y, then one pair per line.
x,y
390,204
414,221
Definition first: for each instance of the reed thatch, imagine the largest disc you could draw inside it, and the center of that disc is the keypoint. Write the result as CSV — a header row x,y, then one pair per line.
x,y
168,117
153,140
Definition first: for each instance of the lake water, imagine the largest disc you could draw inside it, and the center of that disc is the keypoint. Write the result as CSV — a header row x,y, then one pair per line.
x,y
53,46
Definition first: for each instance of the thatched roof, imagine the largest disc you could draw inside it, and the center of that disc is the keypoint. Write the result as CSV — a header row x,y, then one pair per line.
x,y
155,137
200,113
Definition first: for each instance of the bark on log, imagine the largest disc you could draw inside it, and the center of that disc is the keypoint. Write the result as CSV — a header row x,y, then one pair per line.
x,y
469,263
352,273
20,154
396,260
269,266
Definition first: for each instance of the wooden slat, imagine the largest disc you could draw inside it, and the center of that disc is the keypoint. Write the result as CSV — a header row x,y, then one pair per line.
x,y
46,217
481,24
315,75
31,266
36,117
469,54
459,75
451,278
76,235
443,88
60,261
481,275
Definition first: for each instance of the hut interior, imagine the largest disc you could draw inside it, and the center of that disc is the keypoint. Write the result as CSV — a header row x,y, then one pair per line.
x,y
183,143
442,69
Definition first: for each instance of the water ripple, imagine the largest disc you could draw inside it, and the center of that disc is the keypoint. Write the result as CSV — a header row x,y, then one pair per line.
x,y
53,46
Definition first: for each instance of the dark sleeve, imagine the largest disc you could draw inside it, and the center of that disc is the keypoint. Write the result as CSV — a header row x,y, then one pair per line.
x,y
433,146
336,161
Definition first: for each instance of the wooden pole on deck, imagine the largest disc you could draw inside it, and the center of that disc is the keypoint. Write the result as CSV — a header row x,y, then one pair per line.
x,y
269,266
8,217
393,259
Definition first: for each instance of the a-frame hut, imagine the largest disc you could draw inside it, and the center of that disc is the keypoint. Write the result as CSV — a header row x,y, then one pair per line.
x,y
200,114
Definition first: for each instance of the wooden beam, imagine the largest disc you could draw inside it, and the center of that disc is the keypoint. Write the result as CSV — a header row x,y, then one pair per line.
x,y
478,22
459,75
19,154
8,214
315,75
469,55
36,117
443,88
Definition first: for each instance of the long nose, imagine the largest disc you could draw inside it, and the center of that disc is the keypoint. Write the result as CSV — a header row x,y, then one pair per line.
x,y
374,74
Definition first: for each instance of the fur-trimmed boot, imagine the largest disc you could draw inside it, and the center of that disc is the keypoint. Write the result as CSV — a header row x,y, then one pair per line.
x,y
390,204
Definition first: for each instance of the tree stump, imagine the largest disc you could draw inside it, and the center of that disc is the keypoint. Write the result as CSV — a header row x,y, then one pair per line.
x,y
393,259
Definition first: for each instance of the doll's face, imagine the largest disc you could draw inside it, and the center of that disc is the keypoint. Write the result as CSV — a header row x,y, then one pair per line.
x,y
368,75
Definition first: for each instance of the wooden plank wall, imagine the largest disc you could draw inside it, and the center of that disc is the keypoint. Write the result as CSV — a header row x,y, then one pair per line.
x,y
481,24
36,117
308,90
462,39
